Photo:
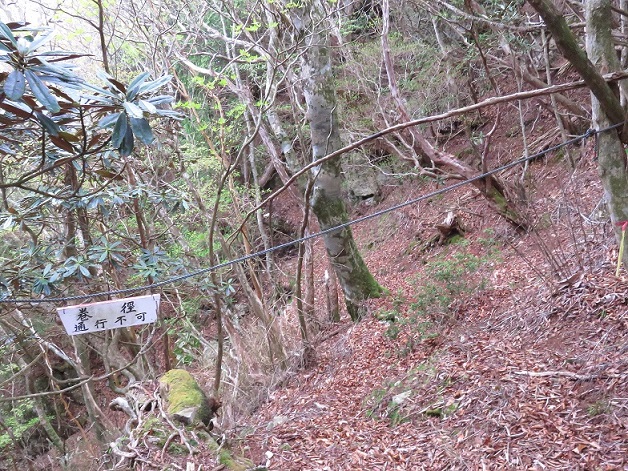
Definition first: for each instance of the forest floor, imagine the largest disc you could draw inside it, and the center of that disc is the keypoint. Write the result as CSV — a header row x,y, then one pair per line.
x,y
497,350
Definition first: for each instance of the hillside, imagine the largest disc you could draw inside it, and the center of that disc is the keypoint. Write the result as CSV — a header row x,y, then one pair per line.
x,y
505,368
452,174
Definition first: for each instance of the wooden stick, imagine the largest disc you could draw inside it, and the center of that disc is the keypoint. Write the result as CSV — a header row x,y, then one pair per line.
x,y
570,375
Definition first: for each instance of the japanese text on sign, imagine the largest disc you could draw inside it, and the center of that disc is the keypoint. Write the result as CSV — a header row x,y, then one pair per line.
x,y
106,315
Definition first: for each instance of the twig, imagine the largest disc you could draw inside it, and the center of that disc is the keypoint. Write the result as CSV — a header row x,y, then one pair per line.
x,y
325,336
82,379
172,425
570,375
459,111
115,448
22,370
167,444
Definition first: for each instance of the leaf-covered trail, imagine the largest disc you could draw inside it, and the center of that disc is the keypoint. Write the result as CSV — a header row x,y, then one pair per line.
x,y
521,376
475,402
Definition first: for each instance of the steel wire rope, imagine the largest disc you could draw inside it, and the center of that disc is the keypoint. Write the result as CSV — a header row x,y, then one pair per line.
x,y
176,279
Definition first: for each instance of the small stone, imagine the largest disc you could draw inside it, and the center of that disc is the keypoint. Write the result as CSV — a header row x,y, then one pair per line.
x,y
280,419
186,416
400,398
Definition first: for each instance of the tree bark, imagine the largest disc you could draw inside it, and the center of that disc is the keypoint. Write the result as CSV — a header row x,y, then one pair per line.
x,y
611,152
357,283
567,44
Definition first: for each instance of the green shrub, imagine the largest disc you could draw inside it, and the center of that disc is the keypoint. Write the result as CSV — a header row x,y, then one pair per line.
x,y
440,290
20,419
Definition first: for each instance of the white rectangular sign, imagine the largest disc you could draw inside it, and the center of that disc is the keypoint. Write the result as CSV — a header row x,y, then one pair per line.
x,y
106,315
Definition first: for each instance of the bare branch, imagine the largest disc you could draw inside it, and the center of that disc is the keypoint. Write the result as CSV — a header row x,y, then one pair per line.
x,y
449,114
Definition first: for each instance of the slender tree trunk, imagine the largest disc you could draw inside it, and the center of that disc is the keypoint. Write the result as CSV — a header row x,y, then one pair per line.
x,y
308,351
357,283
69,249
560,121
309,295
611,152
568,46
331,296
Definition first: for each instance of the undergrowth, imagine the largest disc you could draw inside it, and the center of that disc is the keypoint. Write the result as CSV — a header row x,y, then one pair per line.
x,y
421,394
440,291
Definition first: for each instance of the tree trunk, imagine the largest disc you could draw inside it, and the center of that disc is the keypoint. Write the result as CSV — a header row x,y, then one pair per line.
x,y
569,48
611,153
331,295
357,283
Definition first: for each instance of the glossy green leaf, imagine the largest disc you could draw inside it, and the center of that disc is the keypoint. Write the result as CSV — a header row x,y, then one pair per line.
x,y
109,120
5,149
55,276
49,125
134,86
142,130
161,99
15,85
95,202
59,81
7,34
84,271
8,223
61,55
63,71
42,93
98,99
170,114
147,106
133,110
39,40
101,91
119,131
127,143
155,84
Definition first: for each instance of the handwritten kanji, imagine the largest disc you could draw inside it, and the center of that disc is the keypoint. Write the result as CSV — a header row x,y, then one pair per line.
x,y
80,327
83,315
128,307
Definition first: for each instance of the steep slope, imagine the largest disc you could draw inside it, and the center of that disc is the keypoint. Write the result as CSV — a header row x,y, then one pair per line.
x,y
492,362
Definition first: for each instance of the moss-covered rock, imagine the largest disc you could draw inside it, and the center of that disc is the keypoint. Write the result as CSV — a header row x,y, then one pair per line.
x,y
186,401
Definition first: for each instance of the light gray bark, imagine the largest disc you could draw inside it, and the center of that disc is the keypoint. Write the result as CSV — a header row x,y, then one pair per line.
x,y
611,152
327,201
568,46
